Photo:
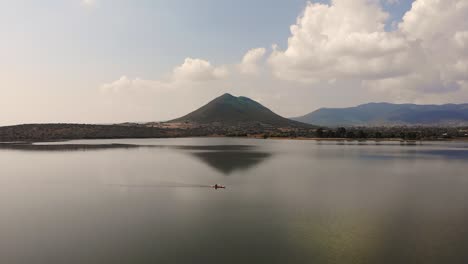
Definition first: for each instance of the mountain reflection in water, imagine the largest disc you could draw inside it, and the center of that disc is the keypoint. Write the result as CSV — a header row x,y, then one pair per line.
x,y
223,158
227,159
227,162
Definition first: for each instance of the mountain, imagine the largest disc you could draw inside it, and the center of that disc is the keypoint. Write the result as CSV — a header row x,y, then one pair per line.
x,y
376,114
231,110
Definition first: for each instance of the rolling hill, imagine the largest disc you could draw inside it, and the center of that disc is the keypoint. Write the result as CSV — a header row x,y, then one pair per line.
x,y
236,111
386,114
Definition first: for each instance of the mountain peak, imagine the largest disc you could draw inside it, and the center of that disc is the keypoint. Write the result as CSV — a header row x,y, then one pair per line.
x,y
227,95
231,110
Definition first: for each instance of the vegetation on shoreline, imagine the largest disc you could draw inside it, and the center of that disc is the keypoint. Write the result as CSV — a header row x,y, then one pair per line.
x,y
380,133
52,132
55,132
394,132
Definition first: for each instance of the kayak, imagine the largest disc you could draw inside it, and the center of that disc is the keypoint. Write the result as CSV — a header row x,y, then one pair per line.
x,y
217,186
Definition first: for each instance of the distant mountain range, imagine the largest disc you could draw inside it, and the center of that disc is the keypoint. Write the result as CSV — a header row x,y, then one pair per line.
x,y
236,111
376,114
233,116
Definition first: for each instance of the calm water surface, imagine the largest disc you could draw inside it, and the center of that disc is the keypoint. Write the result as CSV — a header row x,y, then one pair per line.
x,y
286,202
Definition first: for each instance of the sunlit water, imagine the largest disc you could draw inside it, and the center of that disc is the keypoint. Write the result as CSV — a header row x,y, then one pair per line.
x,y
285,202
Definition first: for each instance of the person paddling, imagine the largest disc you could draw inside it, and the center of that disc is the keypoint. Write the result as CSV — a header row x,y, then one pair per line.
x,y
217,186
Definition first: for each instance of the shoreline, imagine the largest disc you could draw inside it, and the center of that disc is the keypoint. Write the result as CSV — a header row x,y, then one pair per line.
x,y
407,142
362,139
62,132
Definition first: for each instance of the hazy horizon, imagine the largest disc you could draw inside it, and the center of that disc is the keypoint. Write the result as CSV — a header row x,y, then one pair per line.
x,y
290,117
102,61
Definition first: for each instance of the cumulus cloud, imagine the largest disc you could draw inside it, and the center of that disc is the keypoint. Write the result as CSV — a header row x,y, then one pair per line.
x,y
198,70
442,29
191,71
250,61
344,40
347,40
126,84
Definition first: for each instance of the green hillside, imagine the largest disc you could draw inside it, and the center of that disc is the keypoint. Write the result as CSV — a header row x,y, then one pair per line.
x,y
231,110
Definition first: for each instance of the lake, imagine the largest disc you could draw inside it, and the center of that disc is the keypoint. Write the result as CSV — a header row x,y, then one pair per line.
x,y
287,201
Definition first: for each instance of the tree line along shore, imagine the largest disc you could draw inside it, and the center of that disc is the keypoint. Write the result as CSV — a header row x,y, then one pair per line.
x,y
57,132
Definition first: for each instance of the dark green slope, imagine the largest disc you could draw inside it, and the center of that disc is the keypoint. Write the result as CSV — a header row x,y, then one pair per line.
x,y
375,114
231,110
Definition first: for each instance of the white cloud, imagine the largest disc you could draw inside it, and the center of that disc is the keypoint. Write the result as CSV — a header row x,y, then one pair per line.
x,y
190,72
126,84
250,61
198,70
442,29
347,40
344,40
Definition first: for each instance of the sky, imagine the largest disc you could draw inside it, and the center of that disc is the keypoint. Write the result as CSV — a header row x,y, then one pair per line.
x,y
107,61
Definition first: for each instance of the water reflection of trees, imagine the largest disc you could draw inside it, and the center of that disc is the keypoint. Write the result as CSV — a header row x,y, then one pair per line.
x,y
63,147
